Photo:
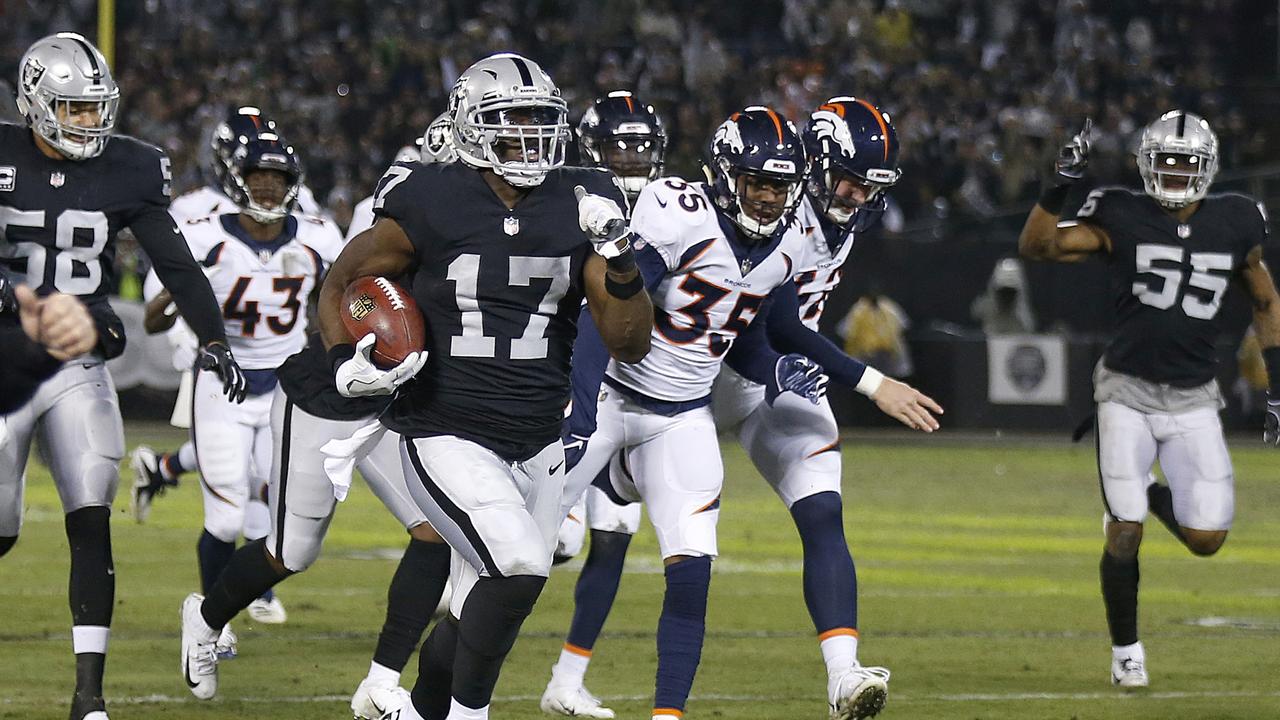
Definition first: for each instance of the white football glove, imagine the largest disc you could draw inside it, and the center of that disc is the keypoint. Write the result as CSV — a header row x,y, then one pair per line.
x,y
359,377
602,220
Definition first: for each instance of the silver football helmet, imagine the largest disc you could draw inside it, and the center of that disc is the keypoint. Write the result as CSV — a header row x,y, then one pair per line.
x,y
1177,158
67,95
508,116
437,142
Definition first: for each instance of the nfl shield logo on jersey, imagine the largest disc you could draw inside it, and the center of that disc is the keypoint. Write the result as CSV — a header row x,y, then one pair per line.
x,y
8,175
57,179
511,225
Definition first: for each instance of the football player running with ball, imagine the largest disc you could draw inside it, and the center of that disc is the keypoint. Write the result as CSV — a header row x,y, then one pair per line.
x,y
501,247
69,187
1173,251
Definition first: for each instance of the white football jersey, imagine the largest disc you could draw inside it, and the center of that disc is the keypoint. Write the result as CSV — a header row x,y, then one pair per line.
x,y
819,272
209,200
709,296
361,218
263,292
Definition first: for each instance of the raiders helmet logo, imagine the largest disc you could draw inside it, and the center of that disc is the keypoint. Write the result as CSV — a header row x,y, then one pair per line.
x,y
32,71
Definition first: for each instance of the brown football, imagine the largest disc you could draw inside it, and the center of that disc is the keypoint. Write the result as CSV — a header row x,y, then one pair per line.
x,y
376,305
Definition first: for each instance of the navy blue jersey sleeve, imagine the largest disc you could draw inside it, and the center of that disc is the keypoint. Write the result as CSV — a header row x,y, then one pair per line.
x,y
652,267
590,360
789,335
751,355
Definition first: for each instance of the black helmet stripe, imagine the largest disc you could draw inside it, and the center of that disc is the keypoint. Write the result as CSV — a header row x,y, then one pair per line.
x,y
93,60
1182,123
526,77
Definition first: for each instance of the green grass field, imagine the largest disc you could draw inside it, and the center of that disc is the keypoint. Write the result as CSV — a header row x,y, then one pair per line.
x,y
977,563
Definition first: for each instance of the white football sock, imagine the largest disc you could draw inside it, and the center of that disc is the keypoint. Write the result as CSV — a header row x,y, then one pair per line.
x,y
90,639
840,652
1135,651
571,669
382,676
458,711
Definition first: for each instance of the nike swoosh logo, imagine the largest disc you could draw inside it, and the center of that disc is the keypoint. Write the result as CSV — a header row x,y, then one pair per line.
x,y
186,673
660,202
552,470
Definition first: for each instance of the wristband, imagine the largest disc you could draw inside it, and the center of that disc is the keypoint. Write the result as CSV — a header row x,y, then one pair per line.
x,y
624,262
870,382
339,354
1271,358
623,290
1055,198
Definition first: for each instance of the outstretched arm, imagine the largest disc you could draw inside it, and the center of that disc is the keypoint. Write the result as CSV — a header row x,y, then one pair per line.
x,y
896,399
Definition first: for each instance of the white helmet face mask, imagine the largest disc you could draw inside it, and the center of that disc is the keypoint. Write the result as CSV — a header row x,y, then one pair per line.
x,y
67,95
1178,159
508,116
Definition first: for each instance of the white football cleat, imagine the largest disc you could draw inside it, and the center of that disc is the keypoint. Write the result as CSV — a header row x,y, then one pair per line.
x,y
860,692
372,701
268,612
573,701
1129,672
199,661
228,645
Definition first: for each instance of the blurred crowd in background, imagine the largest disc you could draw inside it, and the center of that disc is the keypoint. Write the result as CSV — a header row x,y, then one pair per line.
x,y
981,91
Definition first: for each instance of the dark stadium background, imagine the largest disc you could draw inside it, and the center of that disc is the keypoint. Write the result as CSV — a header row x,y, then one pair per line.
x,y
982,93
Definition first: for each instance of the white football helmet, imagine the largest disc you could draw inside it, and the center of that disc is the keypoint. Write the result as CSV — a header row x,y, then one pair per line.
x,y
56,77
1169,145
508,116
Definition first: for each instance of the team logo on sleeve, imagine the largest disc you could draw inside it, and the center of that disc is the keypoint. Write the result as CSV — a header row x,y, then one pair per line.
x,y
8,177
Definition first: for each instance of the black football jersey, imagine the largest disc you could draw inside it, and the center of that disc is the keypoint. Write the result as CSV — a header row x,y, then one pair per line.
x,y
59,218
1170,279
500,291
307,379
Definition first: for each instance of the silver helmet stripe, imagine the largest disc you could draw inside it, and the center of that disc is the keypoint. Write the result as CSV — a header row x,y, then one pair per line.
x,y
93,61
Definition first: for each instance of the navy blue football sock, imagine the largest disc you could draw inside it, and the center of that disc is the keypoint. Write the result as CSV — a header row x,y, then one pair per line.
x,y
680,631
1120,595
213,555
597,587
830,580
414,593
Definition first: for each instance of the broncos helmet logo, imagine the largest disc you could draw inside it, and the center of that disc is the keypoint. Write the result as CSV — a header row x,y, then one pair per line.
x,y
729,135
827,125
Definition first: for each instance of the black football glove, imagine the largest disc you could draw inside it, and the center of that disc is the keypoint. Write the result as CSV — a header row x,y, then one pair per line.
x,y
217,357
1271,424
1073,157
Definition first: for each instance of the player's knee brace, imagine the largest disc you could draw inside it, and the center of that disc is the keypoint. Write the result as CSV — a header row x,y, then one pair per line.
x,y
6,544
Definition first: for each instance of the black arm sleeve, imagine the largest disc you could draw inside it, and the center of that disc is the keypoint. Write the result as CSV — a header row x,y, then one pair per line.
x,y
160,237
788,334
